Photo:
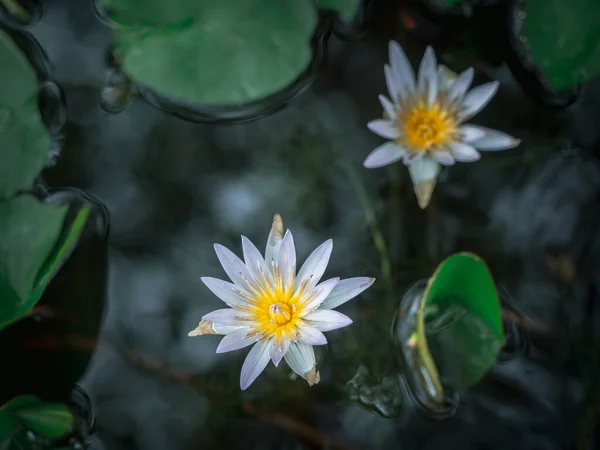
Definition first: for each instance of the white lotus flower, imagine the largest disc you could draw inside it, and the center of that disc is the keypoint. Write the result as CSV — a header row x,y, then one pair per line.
x,y
423,120
282,313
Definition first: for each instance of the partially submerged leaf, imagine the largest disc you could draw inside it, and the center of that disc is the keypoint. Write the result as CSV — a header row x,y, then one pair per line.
x,y
464,319
24,139
50,420
347,8
230,53
32,250
9,425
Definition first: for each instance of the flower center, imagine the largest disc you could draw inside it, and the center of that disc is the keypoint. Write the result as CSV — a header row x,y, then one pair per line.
x,y
280,313
424,127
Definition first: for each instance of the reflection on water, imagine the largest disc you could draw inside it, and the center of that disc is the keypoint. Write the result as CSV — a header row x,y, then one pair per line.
x,y
174,188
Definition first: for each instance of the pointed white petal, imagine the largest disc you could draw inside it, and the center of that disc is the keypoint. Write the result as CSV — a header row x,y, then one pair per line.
x,y
471,133
464,152
319,294
300,358
477,98
461,85
314,267
327,319
255,363
424,169
428,77
445,77
235,269
384,128
346,290
392,83
383,155
286,259
278,350
227,316
402,69
225,291
255,262
311,336
388,107
274,240
443,157
226,329
494,140
236,340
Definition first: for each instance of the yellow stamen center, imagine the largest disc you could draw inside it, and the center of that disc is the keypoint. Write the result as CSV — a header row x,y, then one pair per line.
x,y
424,127
275,307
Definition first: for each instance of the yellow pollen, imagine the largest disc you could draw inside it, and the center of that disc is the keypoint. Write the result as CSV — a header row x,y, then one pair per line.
x,y
425,126
280,313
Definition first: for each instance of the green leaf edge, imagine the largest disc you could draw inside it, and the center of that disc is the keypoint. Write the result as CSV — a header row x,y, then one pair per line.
x,y
56,259
29,416
422,346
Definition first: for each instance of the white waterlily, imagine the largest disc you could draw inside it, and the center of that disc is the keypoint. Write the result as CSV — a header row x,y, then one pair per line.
x,y
423,120
282,313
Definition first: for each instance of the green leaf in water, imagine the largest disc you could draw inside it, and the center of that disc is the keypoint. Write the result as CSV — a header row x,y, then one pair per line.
x,y
154,12
24,139
9,425
32,250
50,420
463,322
347,8
564,39
230,52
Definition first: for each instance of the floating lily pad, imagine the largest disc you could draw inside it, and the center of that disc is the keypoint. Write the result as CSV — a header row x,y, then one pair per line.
x,y
154,12
9,425
49,420
32,249
461,318
229,53
24,139
347,8
564,39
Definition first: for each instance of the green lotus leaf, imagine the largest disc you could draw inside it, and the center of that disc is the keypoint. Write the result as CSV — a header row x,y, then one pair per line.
x,y
50,420
459,328
347,8
228,52
24,139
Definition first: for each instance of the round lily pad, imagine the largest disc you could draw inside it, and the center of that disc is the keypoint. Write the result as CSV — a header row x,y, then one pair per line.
x,y
231,52
24,139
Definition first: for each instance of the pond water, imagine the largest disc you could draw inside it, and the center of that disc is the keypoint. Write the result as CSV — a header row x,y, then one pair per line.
x,y
172,188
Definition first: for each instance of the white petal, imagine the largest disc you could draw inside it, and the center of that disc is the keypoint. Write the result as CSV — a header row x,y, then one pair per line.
x,y
300,358
477,98
346,290
464,152
255,262
393,83
235,269
402,69
388,107
255,363
314,267
236,340
286,259
384,128
410,158
471,133
278,351
494,140
424,169
461,85
427,85
445,77
274,240
319,294
225,291
311,336
226,329
327,320
443,157
227,316
383,155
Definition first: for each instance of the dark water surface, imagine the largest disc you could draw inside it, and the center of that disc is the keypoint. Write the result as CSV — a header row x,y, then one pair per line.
x,y
173,188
